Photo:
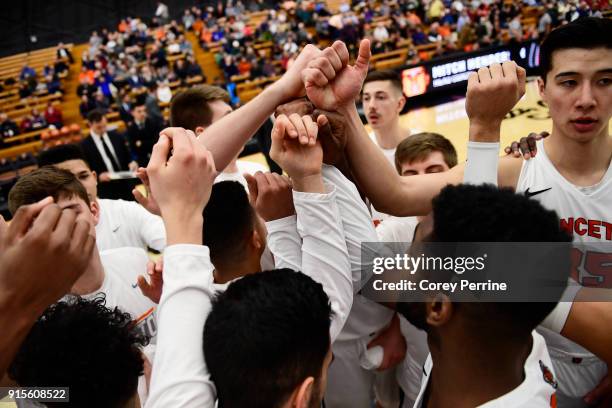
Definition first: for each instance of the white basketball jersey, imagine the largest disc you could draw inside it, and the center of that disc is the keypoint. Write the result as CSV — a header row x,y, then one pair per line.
x,y
586,213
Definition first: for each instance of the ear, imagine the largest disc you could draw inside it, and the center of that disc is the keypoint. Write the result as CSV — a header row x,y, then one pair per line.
x,y
199,130
95,176
438,310
541,89
303,394
256,240
95,211
400,103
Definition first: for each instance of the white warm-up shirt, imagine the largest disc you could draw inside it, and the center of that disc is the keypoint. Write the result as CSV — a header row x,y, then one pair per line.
x,y
536,391
180,377
128,224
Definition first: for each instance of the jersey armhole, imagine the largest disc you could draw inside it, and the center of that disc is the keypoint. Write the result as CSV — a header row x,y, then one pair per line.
x,y
509,171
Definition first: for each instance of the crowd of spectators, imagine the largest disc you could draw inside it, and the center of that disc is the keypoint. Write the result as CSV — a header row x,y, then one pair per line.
x,y
452,25
136,58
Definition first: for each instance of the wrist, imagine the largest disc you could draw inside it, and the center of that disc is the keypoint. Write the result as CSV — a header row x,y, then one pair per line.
x,y
312,183
277,93
488,132
183,229
348,109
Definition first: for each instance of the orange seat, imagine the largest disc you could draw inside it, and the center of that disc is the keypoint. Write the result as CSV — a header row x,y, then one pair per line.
x,y
75,128
65,131
54,133
45,135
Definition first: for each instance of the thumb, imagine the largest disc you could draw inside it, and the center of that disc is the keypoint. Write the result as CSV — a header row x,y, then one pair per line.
x,y
252,184
521,74
141,199
363,59
144,286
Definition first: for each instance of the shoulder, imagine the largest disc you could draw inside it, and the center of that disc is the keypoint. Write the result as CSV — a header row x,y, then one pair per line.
x,y
509,171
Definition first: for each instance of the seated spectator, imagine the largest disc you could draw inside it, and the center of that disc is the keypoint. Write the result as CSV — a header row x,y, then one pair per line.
x,y
52,84
101,102
8,128
53,115
125,108
64,53
35,120
134,80
380,33
26,72
87,105
180,69
142,133
24,90
193,68
85,88
244,66
87,75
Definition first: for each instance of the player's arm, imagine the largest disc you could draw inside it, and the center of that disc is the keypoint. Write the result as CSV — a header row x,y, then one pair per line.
x,y
226,137
588,323
332,84
39,235
180,377
324,253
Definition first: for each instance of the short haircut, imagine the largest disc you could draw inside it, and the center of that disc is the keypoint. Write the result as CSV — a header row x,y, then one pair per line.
x,y
264,336
189,108
385,75
229,221
418,146
60,154
95,116
44,182
484,213
83,345
587,33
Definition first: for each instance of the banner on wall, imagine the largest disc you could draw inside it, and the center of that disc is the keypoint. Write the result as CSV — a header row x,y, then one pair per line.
x,y
450,72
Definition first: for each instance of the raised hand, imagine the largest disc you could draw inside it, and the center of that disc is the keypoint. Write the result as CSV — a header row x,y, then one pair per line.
x,y
526,146
330,82
152,288
270,195
290,84
298,160
492,92
332,134
42,235
147,202
182,183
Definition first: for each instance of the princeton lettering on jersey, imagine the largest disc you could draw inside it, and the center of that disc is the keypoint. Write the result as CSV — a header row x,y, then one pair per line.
x,y
593,228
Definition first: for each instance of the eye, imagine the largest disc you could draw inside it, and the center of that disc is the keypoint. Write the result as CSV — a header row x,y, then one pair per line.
x,y
569,83
605,81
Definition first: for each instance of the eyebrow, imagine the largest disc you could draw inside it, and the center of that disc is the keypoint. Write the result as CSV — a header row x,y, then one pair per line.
x,y
572,73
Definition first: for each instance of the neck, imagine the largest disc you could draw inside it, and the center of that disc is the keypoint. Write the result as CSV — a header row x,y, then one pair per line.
x,y
232,167
388,137
581,163
227,272
463,377
92,278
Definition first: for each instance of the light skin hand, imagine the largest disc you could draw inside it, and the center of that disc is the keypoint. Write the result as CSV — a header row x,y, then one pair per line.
x,y
301,162
393,343
39,235
152,288
181,184
492,92
147,202
330,82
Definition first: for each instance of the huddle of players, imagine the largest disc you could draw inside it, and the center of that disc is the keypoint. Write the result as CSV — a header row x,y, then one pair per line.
x,y
268,336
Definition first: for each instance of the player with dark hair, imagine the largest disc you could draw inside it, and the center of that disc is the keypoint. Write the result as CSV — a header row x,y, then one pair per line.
x,y
284,316
233,232
85,346
122,223
469,341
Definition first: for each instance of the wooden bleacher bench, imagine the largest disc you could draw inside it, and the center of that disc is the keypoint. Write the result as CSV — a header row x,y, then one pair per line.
x,y
389,59
24,137
240,78
32,147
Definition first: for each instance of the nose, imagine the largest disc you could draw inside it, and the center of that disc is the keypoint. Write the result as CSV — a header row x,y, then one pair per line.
x,y
586,99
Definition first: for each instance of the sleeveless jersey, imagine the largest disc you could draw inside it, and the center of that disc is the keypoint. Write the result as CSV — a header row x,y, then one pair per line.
x,y
586,213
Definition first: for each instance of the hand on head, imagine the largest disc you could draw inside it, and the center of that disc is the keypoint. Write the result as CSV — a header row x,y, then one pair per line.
x,y
43,252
